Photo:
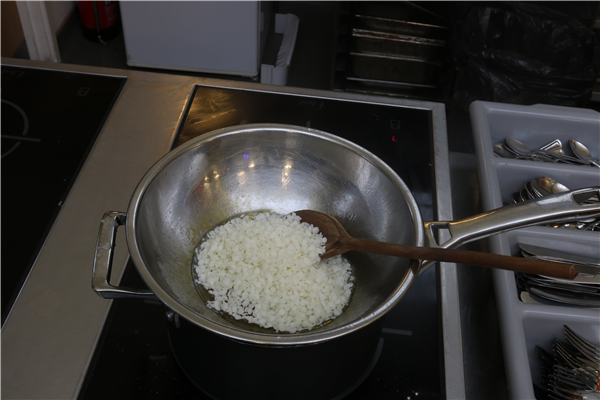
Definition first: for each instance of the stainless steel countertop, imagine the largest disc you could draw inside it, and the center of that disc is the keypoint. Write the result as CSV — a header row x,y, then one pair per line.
x,y
51,333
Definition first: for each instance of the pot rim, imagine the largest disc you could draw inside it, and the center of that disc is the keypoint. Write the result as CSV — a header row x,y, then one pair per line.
x,y
280,339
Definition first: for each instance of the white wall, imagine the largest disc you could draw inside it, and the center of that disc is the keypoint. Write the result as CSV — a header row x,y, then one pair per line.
x,y
58,12
41,21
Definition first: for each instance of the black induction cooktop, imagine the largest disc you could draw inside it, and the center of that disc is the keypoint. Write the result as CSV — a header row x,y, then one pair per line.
x,y
133,358
50,120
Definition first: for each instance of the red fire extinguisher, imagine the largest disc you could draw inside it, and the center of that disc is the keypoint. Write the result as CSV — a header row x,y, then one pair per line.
x,y
100,20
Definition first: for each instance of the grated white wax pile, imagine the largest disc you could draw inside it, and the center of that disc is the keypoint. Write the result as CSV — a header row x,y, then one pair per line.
x,y
266,270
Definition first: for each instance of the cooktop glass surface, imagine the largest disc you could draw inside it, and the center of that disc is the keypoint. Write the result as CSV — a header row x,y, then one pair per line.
x,y
134,359
50,120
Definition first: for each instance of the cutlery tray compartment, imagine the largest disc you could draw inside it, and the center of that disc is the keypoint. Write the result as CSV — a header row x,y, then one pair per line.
x,y
569,241
539,124
513,174
541,331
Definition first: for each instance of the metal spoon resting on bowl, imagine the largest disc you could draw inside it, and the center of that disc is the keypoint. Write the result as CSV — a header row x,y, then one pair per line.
x,y
339,241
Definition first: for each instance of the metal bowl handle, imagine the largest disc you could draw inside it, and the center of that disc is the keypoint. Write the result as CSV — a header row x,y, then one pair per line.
x,y
103,261
560,207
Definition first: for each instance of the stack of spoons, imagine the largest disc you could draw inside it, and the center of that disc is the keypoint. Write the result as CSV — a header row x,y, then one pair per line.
x,y
545,186
552,152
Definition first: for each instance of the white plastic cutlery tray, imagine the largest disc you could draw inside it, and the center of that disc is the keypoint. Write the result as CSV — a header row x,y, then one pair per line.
x,y
526,322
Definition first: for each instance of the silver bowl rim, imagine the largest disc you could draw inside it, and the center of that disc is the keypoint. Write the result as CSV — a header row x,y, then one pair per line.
x,y
280,339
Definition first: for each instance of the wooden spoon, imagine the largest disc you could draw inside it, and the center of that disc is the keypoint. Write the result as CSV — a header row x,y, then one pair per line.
x,y
339,241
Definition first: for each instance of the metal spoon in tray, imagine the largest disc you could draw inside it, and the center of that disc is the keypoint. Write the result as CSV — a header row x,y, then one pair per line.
x,y
339,241
582,152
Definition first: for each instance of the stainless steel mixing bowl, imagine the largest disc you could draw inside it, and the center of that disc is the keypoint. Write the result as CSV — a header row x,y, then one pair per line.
x,y
281,168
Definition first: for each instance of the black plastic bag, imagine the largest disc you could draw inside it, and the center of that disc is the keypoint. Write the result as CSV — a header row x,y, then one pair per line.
x,y
523,53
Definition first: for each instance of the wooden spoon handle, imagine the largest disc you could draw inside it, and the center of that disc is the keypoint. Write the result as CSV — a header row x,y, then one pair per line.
x,y
517,264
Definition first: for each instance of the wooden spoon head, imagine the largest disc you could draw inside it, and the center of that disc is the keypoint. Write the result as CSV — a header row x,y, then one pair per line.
x,y
330,228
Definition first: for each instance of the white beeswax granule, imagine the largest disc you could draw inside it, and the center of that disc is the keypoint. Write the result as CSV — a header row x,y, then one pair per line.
x,y
266,270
